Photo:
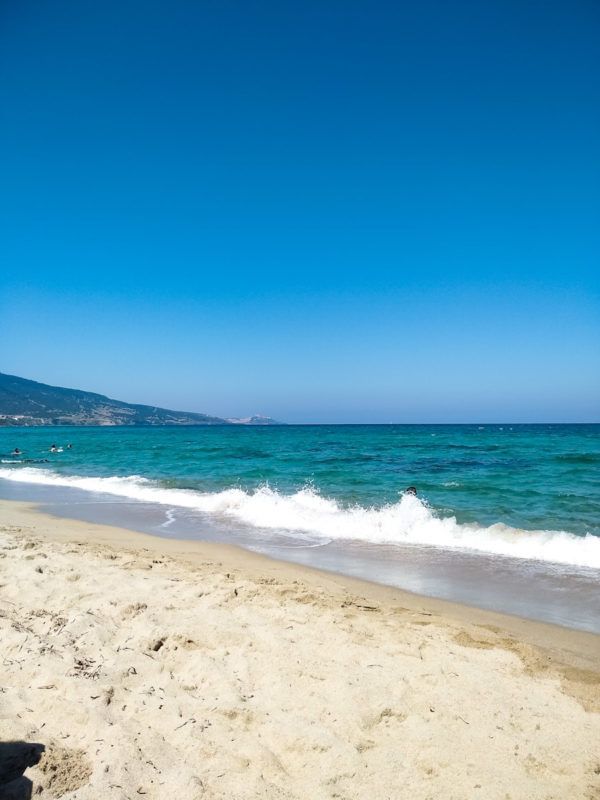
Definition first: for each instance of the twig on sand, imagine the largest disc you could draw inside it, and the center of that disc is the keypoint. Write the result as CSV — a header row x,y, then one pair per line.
x,y
184,723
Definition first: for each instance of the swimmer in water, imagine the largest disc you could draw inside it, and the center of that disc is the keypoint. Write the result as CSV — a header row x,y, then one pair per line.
x,y
411,490
53,449
16,452
68,447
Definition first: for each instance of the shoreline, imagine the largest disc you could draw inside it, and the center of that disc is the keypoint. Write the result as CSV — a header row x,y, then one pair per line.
x,y
516,587
552,637
159,665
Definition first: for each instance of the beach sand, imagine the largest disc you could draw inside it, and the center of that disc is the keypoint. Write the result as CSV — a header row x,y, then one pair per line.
x,y
172,669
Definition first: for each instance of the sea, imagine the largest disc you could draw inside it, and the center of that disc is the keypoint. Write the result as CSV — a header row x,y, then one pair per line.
x,y
506,517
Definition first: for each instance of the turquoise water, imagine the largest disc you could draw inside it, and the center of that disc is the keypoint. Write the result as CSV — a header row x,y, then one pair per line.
x,y
480,487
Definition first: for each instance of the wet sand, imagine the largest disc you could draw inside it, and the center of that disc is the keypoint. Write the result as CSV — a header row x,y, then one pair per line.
x,y
534,589
167,667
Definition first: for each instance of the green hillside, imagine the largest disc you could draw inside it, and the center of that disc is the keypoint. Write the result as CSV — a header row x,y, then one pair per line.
x,y
29,403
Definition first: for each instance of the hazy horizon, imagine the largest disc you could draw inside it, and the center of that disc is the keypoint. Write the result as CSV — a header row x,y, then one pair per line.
x,y
285,422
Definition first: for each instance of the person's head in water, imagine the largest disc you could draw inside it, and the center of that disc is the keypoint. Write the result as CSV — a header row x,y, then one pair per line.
x,y
16,452
68,447
411,490
53,449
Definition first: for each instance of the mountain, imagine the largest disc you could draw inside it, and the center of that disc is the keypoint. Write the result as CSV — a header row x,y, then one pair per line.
x,y
28,403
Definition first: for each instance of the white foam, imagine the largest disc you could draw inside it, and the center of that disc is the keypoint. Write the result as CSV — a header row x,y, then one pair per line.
x,y
170,518
409,521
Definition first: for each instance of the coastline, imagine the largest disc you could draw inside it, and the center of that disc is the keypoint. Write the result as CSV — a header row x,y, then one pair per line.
x,y
525,588
556,639
211,671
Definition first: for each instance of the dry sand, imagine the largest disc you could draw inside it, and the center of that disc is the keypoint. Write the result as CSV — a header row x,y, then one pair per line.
x,y
188,670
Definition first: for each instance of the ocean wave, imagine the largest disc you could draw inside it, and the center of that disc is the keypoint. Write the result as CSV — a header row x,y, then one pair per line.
x,y
24,461
409,521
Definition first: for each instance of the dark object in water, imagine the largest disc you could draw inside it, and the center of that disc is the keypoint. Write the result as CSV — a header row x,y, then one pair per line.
x,y
411,490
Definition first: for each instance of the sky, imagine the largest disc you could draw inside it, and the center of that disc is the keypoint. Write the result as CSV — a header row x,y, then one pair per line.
x,y
318,211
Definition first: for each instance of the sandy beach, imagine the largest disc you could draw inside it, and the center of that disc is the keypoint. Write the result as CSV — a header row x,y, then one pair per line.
x,y
167,668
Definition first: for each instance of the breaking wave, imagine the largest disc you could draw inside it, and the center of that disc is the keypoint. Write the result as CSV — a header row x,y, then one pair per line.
x,y
409,521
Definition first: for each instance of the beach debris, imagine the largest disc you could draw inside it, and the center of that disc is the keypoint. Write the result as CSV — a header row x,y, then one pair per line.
x,y
86,668
348,603
183,724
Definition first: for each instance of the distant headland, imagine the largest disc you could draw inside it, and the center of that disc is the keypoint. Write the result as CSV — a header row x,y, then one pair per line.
x,y
26,403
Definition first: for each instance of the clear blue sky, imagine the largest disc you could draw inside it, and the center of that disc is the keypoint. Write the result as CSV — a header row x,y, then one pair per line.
x,y
320,211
